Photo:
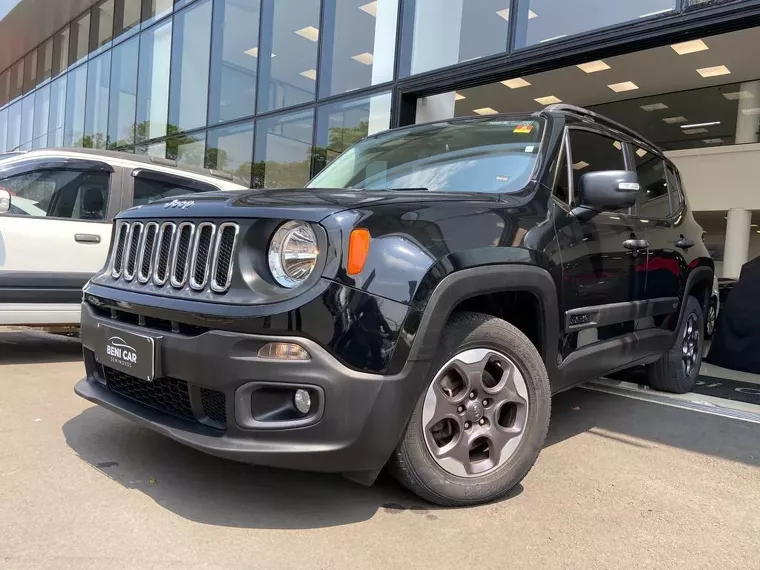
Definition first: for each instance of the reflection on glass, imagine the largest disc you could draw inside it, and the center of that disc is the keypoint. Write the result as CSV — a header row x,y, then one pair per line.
x,y
153,82
79,46
102,21
57,119
96,110
30,71
17,79
3,130
61,51
187,149
342,124
541,21
14,127
288,54
27,122
45,61
155,9
41,117
189,71
234,55
282,157
75,102
5,90
230,149
155,150
463,31
123,102
127,16
359,44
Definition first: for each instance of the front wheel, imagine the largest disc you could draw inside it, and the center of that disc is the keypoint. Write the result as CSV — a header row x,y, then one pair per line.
x,y
481,422
710,321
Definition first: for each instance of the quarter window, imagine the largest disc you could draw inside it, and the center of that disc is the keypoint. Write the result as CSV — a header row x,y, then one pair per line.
x,y
652,201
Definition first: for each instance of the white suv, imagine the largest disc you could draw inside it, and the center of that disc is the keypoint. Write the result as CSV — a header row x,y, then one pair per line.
x,y
56,208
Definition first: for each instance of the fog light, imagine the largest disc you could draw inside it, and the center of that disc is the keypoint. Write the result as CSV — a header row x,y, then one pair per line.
x,y
283,351
302,401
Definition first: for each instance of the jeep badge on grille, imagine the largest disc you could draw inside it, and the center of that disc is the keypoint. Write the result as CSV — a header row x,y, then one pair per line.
x,y
182,204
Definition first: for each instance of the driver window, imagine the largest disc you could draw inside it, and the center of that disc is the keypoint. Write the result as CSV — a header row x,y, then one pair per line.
x,y
592,152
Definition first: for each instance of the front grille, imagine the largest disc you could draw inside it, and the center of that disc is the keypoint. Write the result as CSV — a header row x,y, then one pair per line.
x,y
199,256
169,395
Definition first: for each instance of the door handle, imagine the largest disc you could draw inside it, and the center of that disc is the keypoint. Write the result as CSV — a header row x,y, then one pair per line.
x,y
87,238
635,244
684,243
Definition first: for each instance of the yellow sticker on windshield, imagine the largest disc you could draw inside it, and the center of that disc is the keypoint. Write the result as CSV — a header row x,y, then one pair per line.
x,y
523,129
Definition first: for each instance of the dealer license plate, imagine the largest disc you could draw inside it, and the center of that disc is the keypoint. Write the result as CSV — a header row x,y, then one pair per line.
x,y
133,354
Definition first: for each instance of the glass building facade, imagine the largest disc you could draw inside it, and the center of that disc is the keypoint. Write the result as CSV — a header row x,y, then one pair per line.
x,y
269,90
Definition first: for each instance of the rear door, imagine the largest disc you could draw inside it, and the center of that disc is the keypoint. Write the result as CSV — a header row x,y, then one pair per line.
x,y
57,232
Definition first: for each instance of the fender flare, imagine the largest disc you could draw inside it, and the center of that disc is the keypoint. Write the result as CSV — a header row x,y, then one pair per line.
x,y
696,276
467,283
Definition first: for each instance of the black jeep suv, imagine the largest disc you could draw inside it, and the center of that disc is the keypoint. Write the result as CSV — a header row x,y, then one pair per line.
x,y
417,304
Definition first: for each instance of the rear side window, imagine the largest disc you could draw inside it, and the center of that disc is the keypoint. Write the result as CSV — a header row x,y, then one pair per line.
x,y
148,190
653,201
592,152
674,189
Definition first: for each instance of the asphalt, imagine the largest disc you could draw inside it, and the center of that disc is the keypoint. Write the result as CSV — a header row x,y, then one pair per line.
x,y
621,483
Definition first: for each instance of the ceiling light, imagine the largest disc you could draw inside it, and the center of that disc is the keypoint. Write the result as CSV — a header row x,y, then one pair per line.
x,y
309,74
654,107
253,52
515,83
503,14
712,141
697,125
458,97
593,66
689,47
713,71
751,112
580,165
309,32
485,111
641,153
624,86
675,120
370,8
694,131
532,14
658,12
738,95
548,100
551,39
365,58
617,145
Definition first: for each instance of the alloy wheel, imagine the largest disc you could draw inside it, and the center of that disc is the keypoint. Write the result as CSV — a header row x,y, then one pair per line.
x,y
710,328
690,345
475,412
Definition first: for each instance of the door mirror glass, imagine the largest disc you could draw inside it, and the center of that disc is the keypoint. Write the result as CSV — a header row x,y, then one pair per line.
x,y
608,190
5,201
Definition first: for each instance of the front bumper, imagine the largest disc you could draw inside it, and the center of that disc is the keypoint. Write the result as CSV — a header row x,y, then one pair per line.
x,y
360,423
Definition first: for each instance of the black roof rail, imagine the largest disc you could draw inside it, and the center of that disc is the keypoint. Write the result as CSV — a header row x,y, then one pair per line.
x,y
601,119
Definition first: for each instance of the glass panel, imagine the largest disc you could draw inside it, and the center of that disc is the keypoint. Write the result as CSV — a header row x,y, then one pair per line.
x,y
231,149
157,150
61,51
5,87
102,24
96,115
342,124
3,130
283,151
30,71
653,201
41,117
57,112
14,127
358,44
547,20
153,82
79,46
75,102
147,191
187,149
123,103
127,16
17,79
45,61
27,122
155,9
191,44
465,30
591,153
234,55
289,41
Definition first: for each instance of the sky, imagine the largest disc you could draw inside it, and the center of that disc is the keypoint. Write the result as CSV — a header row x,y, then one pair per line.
x,y
6,6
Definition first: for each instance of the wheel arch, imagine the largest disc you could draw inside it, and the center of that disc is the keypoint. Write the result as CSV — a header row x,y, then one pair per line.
x,y
698,285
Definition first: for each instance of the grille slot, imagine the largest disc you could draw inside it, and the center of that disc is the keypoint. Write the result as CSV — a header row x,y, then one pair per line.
x,y
214,405
201,256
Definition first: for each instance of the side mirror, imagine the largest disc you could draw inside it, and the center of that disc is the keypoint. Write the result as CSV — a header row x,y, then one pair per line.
x,y
608,190
5,201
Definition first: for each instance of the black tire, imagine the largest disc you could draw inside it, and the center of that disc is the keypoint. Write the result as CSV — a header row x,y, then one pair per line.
x,y
710,329
669,373
412,463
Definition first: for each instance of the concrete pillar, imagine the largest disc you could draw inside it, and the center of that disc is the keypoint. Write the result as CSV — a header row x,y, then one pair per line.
x,y
746,120
736,249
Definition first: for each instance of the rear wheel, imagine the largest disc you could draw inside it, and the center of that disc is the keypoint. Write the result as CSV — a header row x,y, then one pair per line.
x,y
710,320
479,426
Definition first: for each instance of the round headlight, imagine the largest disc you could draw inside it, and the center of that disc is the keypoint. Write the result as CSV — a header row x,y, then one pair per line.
x,y
293,253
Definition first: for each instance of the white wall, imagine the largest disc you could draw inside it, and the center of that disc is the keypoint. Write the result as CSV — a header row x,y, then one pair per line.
x,y
720,178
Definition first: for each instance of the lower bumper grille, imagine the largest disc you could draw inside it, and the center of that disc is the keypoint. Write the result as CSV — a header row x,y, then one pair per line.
x,y
169,395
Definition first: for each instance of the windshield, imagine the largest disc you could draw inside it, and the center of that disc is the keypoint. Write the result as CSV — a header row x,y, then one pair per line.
x,y
475,155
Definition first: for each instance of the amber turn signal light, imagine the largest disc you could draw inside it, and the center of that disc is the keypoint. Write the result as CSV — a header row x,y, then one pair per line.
x,y
358,248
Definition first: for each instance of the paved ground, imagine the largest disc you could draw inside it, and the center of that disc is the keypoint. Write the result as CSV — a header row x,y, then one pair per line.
x,y
621,484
